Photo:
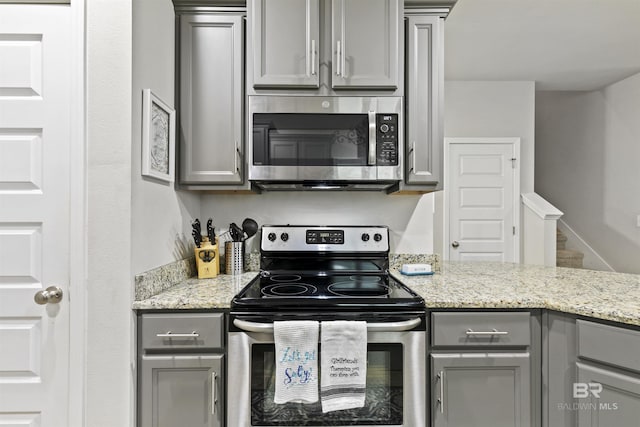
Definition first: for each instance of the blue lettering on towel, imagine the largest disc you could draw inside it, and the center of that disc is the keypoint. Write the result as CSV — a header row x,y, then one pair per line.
x,y
299,375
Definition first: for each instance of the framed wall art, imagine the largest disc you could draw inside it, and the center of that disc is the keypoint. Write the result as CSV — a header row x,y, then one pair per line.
x,y
158,138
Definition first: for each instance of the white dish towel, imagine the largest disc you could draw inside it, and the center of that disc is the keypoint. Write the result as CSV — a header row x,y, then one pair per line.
x,y
344,365
296,344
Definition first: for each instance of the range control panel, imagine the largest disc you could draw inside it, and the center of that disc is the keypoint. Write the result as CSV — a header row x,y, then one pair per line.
x,y
387,139
325,238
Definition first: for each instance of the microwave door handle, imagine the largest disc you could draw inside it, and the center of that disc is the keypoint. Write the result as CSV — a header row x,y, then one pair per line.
x,y
371,161
404,325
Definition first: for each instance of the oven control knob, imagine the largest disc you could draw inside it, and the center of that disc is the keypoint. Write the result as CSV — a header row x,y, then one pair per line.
x,y
377,237
365,237
271,237
384,128
284,237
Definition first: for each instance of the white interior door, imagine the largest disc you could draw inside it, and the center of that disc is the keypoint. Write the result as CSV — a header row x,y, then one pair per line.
x,y
35,105
483,187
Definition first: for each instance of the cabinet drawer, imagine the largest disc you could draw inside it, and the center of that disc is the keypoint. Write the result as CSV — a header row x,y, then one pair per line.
x,y
182,331
481,329
609,344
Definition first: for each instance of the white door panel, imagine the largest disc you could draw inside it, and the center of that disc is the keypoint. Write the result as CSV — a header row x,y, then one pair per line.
x,y
35,133
482,191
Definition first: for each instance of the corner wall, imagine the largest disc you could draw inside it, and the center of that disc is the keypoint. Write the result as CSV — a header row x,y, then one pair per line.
x,y
587,165
160,215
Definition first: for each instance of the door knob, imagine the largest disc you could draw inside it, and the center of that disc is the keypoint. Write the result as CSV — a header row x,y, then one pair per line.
x,y
455,244
52,294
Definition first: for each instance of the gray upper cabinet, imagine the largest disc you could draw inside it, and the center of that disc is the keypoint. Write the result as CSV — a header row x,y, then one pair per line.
x,y
325,45
211,98
286,37
364,36
424,99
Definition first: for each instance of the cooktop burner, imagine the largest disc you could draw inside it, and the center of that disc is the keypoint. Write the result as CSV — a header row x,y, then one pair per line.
x,y
323,269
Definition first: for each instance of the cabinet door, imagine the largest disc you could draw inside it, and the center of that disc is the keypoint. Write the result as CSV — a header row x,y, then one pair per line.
x,y
365,38
424,142
181,391
211,99
285,38
481,389
613,398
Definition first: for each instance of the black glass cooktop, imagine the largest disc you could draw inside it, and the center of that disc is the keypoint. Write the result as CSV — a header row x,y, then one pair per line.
x,y
318,292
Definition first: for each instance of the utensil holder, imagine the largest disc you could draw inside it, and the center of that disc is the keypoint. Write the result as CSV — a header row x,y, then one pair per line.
x,y
234,257
207,259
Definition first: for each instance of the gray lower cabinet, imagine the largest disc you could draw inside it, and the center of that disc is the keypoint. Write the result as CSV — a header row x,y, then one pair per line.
x,y
475,390
607,390
181,370
181,391
356,44
485,369
424,89
211,68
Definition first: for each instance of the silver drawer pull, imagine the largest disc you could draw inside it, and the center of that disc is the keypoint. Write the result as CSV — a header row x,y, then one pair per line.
x,y
494,331
170,334
214,395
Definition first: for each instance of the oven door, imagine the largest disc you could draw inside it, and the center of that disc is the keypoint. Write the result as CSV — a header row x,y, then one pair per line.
x,y
396,375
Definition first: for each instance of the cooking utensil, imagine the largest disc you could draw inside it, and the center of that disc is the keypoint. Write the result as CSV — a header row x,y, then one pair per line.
x,y
211,231
196,226
236,232
197,238
250,227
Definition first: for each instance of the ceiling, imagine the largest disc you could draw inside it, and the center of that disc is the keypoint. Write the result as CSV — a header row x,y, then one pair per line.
x,y
559,44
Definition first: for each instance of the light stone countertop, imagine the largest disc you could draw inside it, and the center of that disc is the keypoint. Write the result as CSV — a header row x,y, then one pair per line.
x,y
597,294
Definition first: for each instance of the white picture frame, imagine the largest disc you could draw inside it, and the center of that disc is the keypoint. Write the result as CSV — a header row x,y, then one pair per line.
x,y
158,138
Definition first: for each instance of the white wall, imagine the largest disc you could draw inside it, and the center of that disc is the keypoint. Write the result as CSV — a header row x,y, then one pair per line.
x,y
161,216
109,337
494,109
410,218
587,165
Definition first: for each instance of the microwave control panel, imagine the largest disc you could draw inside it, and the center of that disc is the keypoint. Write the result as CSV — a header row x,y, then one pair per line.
x,y
387,139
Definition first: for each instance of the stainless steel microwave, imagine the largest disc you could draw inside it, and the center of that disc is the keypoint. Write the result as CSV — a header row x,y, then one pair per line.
x,y
333,142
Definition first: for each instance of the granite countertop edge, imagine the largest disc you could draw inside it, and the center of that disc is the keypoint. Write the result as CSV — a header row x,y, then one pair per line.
x,y
599,295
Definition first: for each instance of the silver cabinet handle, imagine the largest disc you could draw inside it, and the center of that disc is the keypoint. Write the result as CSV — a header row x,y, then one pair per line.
x,y
413,157
371,327
214,393
313,57
237,157
170,334
372,139
441,398
51,295
494,331
338,55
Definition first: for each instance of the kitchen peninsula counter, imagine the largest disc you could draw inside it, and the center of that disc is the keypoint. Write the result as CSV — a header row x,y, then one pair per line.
x,y
596,294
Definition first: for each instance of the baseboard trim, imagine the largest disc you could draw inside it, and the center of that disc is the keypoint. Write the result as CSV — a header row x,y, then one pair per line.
x,y
592,260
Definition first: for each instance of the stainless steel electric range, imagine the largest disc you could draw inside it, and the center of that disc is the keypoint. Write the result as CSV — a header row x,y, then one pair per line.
x,y
328,273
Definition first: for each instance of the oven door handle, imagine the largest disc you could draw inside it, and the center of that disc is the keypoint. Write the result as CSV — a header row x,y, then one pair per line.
x,y
371,327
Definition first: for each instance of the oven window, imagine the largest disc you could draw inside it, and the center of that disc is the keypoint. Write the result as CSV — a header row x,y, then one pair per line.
x,y
296,139
383,401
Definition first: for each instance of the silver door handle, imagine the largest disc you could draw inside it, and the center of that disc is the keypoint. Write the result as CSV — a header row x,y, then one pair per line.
x,y
214,393
313,57
237,157
455,244
51,295
170,334
371,327
441,398
372,139
494,331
